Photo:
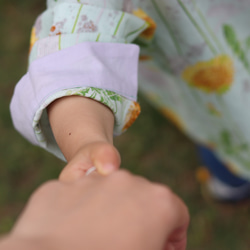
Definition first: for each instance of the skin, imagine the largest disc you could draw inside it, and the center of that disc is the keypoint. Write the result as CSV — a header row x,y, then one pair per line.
x,y
83,129
109,209
119,211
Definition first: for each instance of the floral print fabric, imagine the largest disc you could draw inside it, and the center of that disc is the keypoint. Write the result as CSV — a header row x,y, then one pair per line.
x,y
125,112
194,60
62,27
197,73
69,23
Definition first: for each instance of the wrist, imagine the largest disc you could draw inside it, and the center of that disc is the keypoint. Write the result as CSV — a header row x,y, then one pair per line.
x,y
77,121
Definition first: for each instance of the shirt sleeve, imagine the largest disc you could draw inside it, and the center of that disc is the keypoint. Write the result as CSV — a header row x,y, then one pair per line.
x,y
78,49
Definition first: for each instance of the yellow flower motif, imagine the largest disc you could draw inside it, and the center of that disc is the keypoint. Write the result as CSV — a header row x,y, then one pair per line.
x,y
33,38
147,34
212,109
133,113
173,117
213,76
202,175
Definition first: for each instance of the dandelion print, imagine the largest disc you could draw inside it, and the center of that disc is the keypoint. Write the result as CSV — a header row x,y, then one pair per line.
x,y
213,76
147,34
33,38
133,113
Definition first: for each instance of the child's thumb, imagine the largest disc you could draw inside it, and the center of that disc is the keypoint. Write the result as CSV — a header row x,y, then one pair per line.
x,y
106,159
103,156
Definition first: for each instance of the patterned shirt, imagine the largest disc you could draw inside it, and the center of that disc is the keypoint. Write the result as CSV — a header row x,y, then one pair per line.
x,y
194,65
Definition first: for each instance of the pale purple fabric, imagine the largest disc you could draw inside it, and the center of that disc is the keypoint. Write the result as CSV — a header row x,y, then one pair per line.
x,y
102,65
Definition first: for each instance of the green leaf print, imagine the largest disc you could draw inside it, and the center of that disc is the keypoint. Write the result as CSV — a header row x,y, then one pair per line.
x,y
227,141
234,150
248,43
231,37
233,42
110,92
93,96
84,92
96,90
113,96
243,147
108,98
116,98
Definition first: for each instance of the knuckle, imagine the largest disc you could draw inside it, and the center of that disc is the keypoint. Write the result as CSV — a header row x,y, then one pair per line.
x,y
163,192
45,189
169,205
163,197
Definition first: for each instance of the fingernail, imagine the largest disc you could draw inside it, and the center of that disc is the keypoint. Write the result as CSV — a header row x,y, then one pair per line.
x,y
107,169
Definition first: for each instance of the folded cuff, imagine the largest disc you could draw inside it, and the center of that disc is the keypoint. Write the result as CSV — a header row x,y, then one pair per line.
x,y
103,71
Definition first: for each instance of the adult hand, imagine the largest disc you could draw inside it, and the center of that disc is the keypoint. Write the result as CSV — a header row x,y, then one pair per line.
x,y
119,211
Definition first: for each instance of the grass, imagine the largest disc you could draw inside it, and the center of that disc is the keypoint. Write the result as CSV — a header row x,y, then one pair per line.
x,y
152,148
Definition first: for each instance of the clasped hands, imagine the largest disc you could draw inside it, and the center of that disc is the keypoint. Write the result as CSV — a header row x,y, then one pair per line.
x,y
109,209
115,212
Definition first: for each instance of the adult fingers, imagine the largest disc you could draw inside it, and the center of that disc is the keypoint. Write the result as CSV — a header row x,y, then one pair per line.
x,y
177,226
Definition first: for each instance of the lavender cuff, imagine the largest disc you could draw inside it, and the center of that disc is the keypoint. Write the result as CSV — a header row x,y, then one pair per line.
x,y
101,65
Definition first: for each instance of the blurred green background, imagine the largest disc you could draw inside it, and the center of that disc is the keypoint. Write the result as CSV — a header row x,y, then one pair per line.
x,y
152,148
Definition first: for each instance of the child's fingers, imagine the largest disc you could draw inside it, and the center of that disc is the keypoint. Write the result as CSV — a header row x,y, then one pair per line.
x,y
103,156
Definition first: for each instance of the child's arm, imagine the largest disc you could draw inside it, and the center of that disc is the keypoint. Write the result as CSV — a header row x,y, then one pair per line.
x,y
83,129
66,60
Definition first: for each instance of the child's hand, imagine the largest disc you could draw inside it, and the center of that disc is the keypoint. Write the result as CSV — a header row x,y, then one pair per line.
x,y
83,129
104,156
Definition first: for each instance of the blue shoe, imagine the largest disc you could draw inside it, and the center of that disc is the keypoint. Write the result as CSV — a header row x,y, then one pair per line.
x,y
215,189
222,192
